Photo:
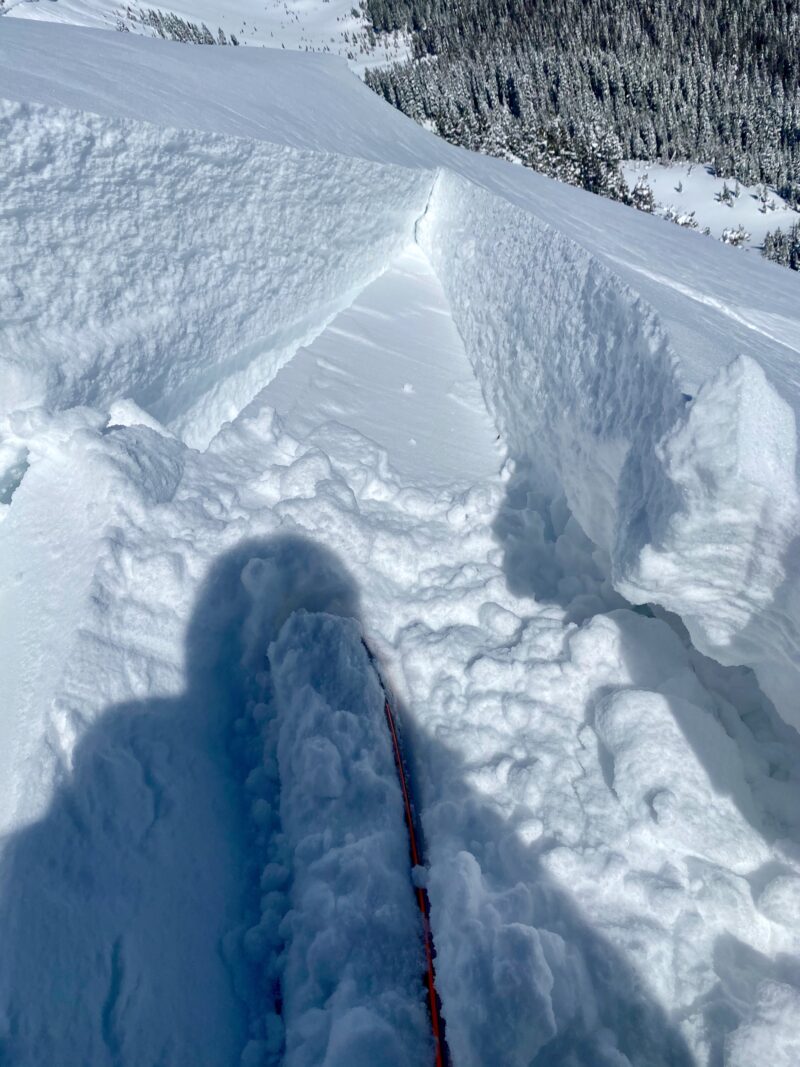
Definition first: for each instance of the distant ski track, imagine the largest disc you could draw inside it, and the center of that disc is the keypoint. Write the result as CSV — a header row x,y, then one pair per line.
x,y
778,329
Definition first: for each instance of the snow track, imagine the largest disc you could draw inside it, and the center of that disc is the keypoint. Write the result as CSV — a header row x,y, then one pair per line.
x,y
252,397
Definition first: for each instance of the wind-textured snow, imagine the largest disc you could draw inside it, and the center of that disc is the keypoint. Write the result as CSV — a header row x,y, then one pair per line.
x,y
282,371
197,315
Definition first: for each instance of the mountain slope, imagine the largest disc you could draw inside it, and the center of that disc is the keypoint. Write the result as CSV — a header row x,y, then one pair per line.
x,y
244,304
334,26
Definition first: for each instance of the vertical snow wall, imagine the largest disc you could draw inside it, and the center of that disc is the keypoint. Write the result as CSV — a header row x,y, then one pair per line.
x,y
694,500
188,267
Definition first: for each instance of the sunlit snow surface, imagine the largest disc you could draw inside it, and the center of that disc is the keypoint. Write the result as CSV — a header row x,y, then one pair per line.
x,y
694,188
282,370
334,26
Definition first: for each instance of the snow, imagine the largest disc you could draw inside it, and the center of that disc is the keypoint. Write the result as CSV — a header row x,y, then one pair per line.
x,y
353,994
770,1034
196,315
694,188
398,328
260,336
693,500
300,25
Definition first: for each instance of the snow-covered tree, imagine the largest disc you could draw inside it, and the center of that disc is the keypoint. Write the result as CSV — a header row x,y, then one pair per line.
x,y
642,195
783,248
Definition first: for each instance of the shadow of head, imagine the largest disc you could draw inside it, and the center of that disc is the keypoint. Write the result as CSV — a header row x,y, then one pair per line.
x,y
251,591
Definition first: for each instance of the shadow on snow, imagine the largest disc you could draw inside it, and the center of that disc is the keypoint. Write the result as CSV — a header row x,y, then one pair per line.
x,y
123,908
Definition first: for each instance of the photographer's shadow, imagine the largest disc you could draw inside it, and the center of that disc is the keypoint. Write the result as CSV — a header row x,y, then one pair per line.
x,y
122,910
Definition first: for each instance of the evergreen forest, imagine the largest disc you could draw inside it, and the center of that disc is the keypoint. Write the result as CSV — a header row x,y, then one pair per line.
x,y
572,87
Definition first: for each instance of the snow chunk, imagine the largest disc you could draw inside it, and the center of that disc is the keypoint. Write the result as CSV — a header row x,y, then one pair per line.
x,y
771,1036
646,736
721,530
493,974
126,412
351,985
780,900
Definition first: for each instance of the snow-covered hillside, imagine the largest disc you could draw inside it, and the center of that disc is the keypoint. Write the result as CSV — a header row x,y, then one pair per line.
x,y
721,205
334,26
280,371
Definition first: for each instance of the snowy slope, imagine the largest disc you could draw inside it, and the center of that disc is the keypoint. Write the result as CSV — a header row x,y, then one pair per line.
x,y
399,330
694,188
260,336
301,25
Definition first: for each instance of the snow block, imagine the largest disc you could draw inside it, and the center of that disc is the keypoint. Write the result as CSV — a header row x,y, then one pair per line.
x,y
721,547
351,982
188,266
